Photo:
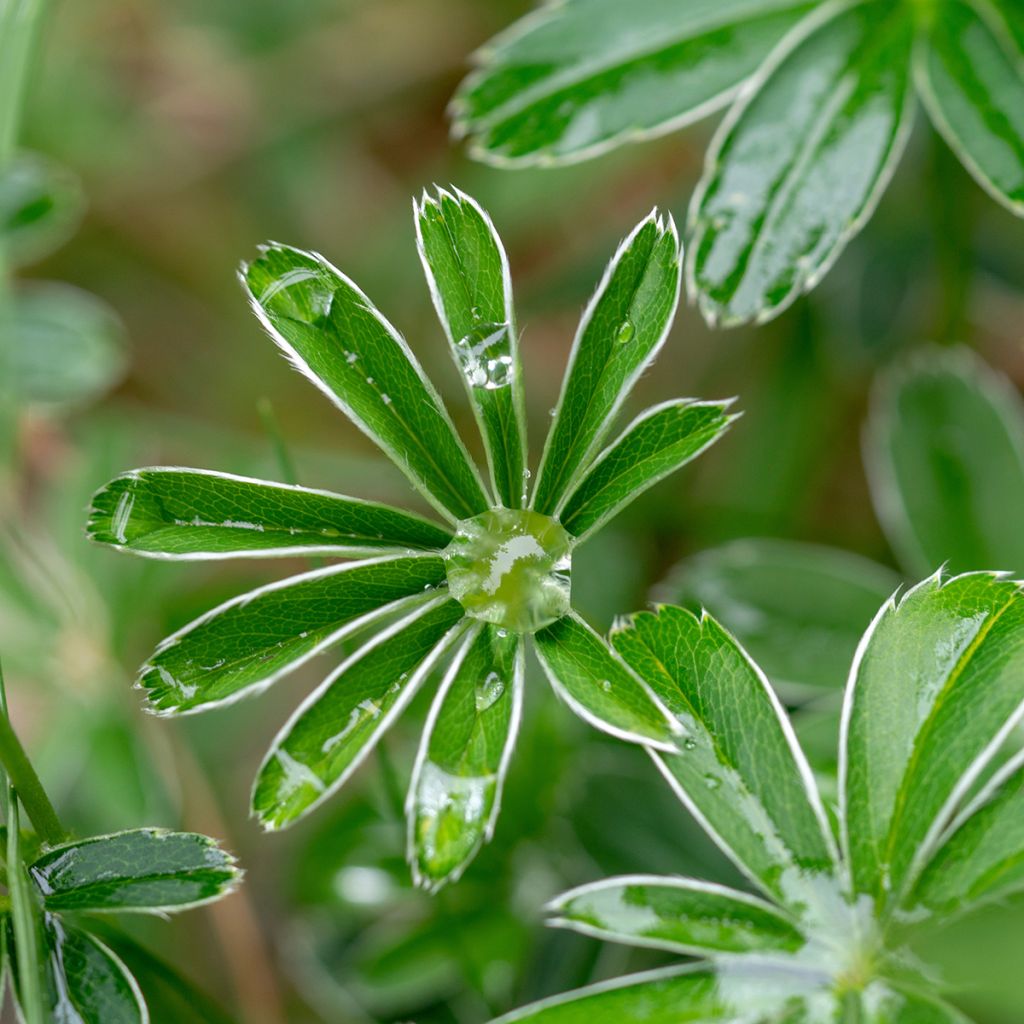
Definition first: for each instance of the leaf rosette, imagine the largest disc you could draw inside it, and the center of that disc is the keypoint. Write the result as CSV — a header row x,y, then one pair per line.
x,y
462,596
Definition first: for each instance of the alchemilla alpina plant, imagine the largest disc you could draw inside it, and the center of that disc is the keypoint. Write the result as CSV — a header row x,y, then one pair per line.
x,y
930,821
473,589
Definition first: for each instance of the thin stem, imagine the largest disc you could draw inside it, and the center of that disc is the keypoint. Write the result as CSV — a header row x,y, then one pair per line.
x,y
24,921
24,779
285,463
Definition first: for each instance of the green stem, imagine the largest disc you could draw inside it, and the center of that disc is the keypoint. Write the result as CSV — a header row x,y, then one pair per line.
x,y
25,922
25,781
285,462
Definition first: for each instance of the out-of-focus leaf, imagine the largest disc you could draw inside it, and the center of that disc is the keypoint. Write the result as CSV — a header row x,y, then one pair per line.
x,y
801,161
800,609
970,73
41,204
197,514
67,346
575,78
457,782
655,444
336,337
621,331
937,685
252,640
739,768
945,451
143,869
681,915
468,274
599,687
339,723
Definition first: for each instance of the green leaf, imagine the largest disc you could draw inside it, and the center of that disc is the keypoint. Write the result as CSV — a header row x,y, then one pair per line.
x,y
334,729
970,74
800,162
599,687
681,915
656,443
937,685
574,79
252,640
334,335
467,270
945,454
87,983
145,869
464,754
740,770
67,347
41,204
621,331
169,512
799,609
981,859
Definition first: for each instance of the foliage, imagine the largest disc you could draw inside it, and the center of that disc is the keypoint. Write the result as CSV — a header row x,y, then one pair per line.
x,y
821,101
482,591
928,820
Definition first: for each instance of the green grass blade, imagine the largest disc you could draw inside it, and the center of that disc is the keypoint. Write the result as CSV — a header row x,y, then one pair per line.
x,y
937,686
334,335
574,79
970,74
656,443
680,915
599,687
981,860
456,786
799,609
149,870
799,164
336,727
247,643
467,271
945,455
622,329
740,770
167,512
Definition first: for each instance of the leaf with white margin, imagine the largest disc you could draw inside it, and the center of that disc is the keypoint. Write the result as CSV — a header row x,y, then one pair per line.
x,y
337,726
935,689
681,915
337,338
247,643
171,512
739,768
464,754
599,687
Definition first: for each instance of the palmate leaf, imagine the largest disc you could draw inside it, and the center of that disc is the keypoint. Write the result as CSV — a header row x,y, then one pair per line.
x,y
799,609
168,512
752,993
334,335
250,641
621,331
467,743
149,870
970,73
680,915
800,162
578,77
739,768
656,443
945,454
335,728
467,271
600,687
937,685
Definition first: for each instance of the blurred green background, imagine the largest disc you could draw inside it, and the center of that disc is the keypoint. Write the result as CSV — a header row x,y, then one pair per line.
x,y
203,127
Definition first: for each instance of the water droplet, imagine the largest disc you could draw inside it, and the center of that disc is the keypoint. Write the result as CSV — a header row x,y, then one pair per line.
x,y
351,357
689,744
489,691
476,313
606,685
386,399
626,332
484,356
712,781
